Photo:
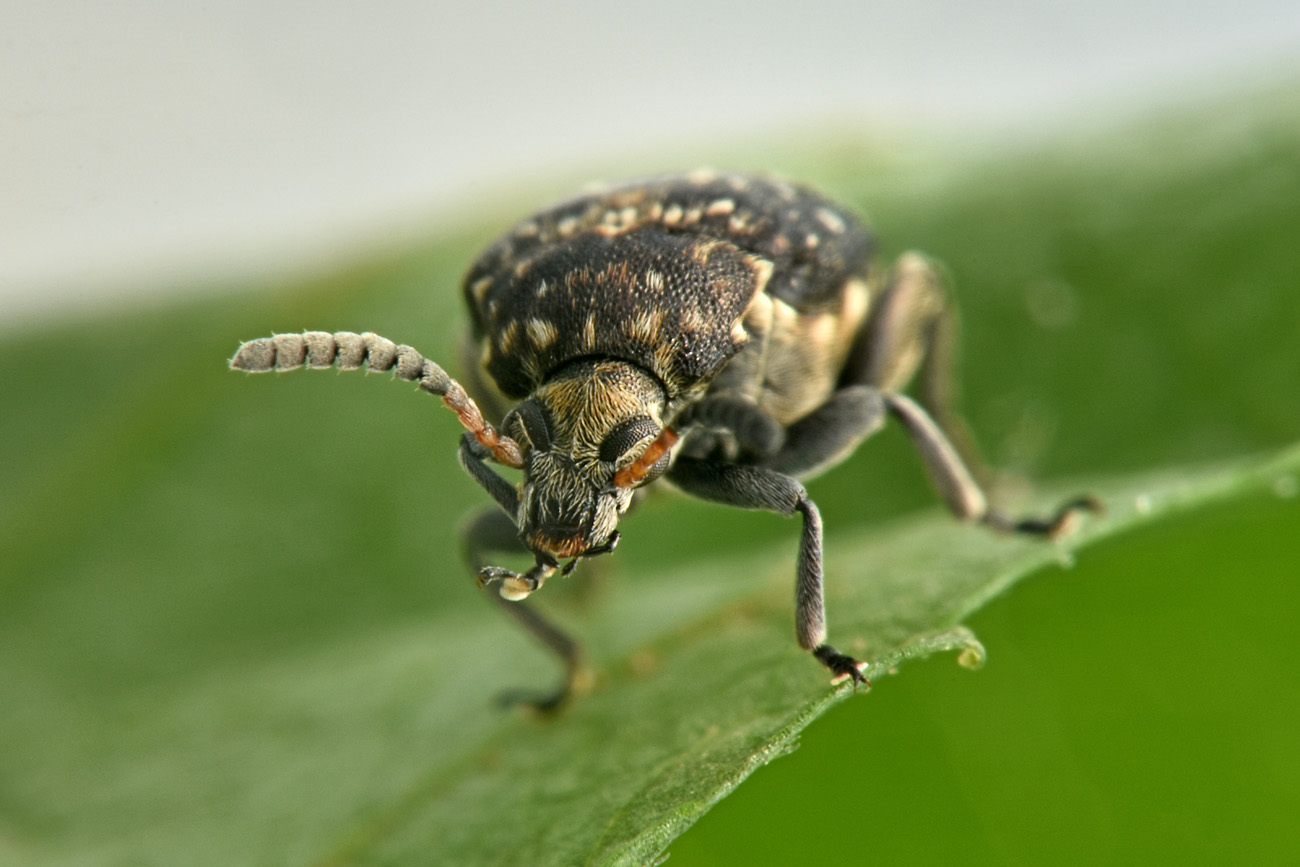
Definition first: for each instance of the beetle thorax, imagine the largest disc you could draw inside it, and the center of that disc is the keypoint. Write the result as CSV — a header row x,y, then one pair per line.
x,y
587,421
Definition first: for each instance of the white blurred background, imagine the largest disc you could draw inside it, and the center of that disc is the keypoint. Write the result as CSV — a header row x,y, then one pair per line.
x,y
146,142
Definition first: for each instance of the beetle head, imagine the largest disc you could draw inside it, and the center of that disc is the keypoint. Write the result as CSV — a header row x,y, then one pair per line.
x,y
592,433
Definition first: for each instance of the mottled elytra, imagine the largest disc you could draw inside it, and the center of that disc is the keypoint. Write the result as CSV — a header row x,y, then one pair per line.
x,y
730,334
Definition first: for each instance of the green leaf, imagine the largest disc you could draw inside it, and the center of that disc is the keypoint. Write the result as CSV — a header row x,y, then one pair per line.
x,y
235,627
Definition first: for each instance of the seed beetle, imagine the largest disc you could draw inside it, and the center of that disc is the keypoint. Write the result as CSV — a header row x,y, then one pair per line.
x,y
730,334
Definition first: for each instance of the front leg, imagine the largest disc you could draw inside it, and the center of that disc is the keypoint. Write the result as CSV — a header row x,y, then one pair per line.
x,y
493,530
515,586
751,487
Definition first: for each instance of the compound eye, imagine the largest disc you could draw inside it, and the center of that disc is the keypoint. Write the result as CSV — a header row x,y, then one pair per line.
x,y
533,419
627,435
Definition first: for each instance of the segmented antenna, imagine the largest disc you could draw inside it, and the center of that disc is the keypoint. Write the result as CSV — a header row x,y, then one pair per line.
x,y
348,351
633,473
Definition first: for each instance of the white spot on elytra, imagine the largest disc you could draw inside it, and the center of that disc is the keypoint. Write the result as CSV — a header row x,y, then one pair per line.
x,y
691,320
508,336
830,220
541,333
720,207
644,326
665,352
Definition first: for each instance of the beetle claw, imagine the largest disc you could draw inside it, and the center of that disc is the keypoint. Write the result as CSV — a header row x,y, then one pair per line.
x,y
1058,525
514,586
492,574
842,667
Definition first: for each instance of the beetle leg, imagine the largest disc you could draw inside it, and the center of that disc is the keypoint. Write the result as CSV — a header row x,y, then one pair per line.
x,y
900,332
751,487
492,530
755,431
829,433
958,487
514,585
913,328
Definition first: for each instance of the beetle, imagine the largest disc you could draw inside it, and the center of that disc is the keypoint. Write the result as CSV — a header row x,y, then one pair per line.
x,y
731,334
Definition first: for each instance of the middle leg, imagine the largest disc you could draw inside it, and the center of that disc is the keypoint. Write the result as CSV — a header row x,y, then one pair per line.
x,y
752,487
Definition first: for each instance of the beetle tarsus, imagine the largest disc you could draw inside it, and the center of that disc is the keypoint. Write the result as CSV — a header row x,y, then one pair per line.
x,y
842,667
1058,525
542,702
515,586
489,575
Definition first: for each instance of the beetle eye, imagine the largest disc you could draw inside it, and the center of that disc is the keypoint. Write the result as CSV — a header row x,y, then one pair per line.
x,y
627,435
533,419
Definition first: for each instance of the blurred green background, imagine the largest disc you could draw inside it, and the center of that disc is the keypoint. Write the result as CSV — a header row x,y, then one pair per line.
x,y
174,533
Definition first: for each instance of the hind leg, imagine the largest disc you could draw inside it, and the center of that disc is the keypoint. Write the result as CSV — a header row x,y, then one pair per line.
x,y
912,330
